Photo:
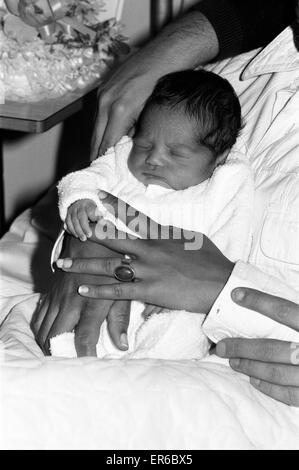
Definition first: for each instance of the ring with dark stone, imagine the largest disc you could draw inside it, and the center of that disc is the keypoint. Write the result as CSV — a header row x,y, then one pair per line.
x,y
125,272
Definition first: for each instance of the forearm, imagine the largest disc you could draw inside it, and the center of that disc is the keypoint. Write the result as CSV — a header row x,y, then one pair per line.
x,y
184,43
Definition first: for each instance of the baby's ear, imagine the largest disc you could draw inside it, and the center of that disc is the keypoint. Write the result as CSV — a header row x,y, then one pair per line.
x,y
221,159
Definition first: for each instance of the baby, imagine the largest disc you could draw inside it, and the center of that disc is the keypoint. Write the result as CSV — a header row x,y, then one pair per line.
x,y
177,171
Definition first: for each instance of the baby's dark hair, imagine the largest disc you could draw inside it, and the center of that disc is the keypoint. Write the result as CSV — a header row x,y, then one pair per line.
x,y
207,98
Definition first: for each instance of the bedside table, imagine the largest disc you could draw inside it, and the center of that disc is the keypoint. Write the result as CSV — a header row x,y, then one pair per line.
x,y
36,118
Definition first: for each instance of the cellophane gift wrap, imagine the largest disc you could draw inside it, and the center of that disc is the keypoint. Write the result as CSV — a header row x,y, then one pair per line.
x,y
51,47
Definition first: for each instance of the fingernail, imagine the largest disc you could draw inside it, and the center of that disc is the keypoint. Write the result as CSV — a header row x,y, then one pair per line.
x,y
124,340
238,295
89,234
235,363
102,194
83,238
221,349
255,382
67,263
83,290
59,263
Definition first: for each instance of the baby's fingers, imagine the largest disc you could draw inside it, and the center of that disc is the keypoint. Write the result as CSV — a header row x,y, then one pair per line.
x,y
78,228
84,223
93,213
70,226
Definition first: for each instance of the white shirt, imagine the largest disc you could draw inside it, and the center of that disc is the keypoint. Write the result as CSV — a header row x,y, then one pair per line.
x,y
268,89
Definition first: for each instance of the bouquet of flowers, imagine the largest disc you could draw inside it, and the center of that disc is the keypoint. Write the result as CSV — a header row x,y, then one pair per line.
x,y
51,47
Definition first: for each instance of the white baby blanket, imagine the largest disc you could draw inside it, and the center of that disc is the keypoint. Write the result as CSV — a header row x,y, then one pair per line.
x,y
220,207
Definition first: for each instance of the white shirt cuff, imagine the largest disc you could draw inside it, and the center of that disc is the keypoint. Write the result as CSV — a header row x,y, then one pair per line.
x,y
227,319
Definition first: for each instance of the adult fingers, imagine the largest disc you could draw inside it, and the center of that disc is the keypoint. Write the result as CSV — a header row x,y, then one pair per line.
x,y
98,266
43,332
37,321
287,395
121,291
118,321
40,314
265,350
278,374
66,320
99,128
151,310
157,310
148,310
281,310
118,124
87,331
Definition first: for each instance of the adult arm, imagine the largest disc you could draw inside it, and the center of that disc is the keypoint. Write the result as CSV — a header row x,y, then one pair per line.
x,y
212,29
185,43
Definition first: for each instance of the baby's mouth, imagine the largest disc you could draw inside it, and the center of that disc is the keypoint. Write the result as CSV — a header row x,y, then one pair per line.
x,y
159,179
153,176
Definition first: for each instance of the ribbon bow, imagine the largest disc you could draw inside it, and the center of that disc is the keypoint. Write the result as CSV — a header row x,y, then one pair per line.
x,y
49,17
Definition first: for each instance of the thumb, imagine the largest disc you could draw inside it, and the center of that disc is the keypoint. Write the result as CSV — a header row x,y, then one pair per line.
x,y
118,321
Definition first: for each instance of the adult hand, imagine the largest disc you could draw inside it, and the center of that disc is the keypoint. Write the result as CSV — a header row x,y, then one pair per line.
x,y
63,310
189,41
120,102
178,270
273,366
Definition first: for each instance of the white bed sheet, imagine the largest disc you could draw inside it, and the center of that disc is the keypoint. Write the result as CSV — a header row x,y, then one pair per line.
x,y
50,403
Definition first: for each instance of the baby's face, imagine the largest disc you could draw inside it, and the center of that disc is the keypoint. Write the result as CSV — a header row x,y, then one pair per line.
x,y
165,151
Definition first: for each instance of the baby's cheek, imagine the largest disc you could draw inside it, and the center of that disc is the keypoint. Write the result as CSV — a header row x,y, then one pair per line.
x,y
134,164
181,180
131,161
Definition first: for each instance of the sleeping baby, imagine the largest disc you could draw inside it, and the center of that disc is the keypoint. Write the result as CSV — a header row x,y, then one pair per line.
x,y
179,170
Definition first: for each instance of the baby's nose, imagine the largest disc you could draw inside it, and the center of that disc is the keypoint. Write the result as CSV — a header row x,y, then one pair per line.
x,y
155,158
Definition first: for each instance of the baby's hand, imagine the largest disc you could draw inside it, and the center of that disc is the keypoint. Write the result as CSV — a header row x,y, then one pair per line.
x,y
79,214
